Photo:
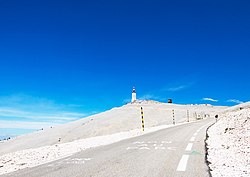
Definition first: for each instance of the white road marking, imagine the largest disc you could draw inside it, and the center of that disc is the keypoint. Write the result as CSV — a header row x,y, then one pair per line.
x,y
142,145
162,148
189,147
172,148
158,145
152,142
166,142
183,163
138,142
192,139
87,159
150,145
70,161
75,162
77,159
184,160
132,148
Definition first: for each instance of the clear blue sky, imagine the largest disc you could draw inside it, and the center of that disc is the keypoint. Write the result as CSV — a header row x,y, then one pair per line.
x,y
62,60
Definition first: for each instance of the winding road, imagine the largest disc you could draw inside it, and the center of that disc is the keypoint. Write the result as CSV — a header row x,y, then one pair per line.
x,y
177,151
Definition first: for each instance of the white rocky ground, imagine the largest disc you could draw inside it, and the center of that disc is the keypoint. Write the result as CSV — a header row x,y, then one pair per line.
x,y
32,157
229,143
101,129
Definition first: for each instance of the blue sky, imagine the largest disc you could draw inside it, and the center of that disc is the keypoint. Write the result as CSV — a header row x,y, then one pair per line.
x,y
63,60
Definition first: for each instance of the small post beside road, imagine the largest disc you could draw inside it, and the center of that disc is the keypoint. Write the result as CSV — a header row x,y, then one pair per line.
x,y
142,119
187,115
173,118
195,116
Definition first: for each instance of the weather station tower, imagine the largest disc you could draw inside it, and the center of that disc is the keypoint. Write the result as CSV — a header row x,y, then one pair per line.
x,y
133,95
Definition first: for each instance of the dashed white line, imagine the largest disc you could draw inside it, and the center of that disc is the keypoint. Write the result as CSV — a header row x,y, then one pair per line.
x,y
183,163
189,147
184,160
192,139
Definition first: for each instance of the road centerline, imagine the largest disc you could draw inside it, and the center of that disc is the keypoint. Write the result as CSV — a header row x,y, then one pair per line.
x,y
192,139
189,147
183,163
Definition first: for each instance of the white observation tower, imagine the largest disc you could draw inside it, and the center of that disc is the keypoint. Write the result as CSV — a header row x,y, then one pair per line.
x,y
133,95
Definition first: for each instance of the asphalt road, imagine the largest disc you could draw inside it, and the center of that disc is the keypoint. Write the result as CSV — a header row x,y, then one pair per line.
x,y
176,151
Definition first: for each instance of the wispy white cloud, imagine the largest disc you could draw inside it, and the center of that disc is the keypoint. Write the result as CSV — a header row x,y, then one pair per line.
x,y
22,107
177,88
12,132
150,97
25,125
234,101
209,99
26,101
56,116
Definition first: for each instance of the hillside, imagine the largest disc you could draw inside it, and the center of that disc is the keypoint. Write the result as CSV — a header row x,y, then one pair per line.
x,y
228,142
113,121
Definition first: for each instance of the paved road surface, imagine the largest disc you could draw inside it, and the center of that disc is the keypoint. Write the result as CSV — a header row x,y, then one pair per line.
x,y
177,151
